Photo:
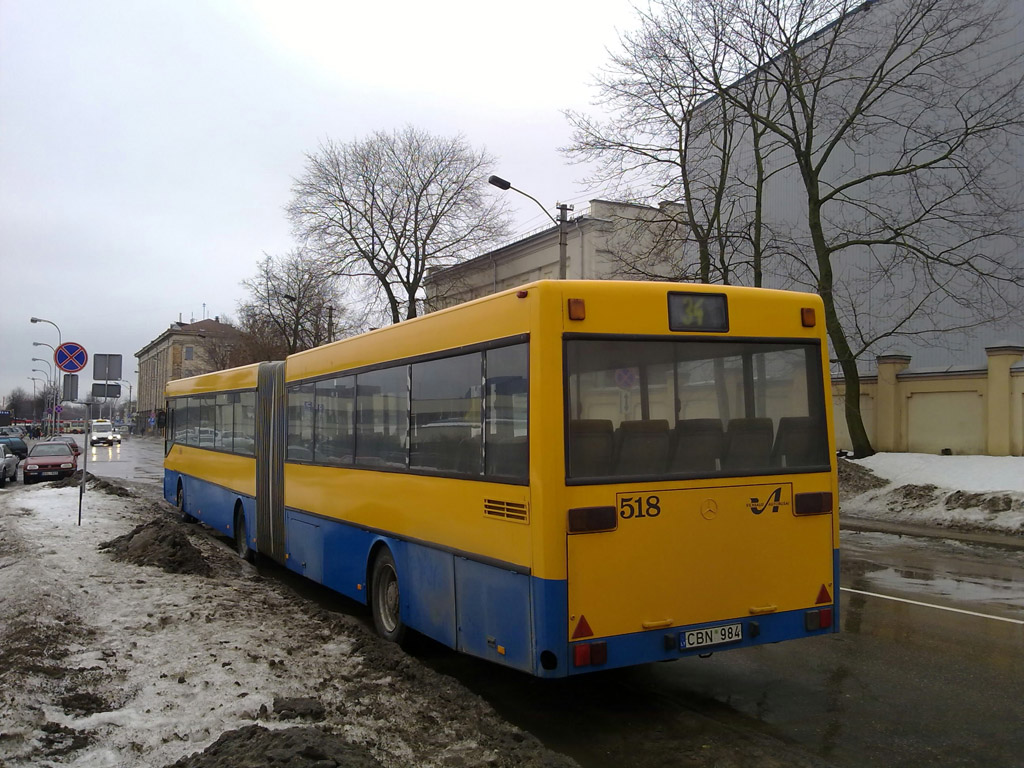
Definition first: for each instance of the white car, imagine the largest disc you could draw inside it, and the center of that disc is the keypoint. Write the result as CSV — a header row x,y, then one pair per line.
x,y
8,465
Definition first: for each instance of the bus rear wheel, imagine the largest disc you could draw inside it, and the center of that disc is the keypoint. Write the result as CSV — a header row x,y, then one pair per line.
x,y
242,538
385,603
179,502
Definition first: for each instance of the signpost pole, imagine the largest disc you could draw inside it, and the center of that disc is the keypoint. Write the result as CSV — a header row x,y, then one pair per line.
x,y
71,357
85,466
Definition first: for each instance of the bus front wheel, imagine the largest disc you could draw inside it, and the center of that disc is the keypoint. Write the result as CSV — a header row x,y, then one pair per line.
x,y
384,598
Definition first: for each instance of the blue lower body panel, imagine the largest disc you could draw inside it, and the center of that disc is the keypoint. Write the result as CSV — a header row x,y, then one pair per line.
x,y
212,504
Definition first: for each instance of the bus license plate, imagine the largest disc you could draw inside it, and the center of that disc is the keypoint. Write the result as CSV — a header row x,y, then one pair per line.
x,y
698,638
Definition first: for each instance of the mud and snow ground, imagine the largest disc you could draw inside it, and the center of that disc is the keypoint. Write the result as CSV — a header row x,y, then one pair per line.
x,y
137,640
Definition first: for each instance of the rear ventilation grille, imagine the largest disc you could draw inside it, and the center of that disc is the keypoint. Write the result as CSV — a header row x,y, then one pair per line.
x,y
507,510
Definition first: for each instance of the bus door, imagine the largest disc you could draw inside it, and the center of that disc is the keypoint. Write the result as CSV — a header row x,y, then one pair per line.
x,y
270,443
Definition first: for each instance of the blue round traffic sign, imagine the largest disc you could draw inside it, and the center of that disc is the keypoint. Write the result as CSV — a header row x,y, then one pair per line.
x,y
70,357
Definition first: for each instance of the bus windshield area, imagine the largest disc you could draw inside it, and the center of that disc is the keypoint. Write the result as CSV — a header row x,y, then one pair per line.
x,y
693,408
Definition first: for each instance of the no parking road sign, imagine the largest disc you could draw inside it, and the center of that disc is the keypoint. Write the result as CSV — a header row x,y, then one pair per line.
x,y
70,357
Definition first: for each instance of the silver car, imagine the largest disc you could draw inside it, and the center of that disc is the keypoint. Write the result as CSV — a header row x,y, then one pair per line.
x,y
8,465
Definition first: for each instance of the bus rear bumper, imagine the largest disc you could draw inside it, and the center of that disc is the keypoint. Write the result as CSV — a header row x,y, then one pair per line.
x,y
592,655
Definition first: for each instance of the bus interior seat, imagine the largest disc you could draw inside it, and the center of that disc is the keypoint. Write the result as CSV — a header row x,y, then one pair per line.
x,y
591,445
641,447
798,443
748,443
698,446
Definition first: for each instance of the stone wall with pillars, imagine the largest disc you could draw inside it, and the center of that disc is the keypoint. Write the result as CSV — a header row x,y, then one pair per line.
x,y
966,411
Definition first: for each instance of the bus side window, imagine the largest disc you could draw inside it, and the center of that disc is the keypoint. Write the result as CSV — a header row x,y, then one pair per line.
x,y
698,446
748,444
641,447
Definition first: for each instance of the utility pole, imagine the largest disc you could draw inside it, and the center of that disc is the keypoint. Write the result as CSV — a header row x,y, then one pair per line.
x,y
563,236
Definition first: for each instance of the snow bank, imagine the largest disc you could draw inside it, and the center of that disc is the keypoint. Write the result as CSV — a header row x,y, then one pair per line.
x,y
969,493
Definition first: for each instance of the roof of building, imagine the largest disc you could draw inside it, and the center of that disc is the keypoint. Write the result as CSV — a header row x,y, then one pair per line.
x,y
199,328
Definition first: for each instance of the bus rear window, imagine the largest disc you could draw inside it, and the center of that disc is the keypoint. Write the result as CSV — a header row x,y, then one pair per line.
x,y
666,408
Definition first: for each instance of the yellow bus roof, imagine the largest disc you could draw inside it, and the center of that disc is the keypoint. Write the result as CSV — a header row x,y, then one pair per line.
x,y
243,377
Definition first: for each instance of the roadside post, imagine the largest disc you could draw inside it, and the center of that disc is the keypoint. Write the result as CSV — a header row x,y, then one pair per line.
x,y
85,466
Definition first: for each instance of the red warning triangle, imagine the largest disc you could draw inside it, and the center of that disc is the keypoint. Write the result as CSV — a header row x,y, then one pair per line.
x,y
823,596
582,629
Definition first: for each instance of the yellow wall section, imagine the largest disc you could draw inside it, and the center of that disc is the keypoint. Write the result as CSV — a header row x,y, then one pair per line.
x,y
225,469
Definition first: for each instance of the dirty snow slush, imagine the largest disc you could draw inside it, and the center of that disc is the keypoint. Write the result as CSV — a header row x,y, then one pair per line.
x,y
136,640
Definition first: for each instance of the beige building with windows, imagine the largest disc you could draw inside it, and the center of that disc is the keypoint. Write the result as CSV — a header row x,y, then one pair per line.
x,y
605,240
183,350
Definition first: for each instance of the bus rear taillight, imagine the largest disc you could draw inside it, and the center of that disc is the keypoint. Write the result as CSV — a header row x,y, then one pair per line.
x,y
813,503
820,618
592,519
590,654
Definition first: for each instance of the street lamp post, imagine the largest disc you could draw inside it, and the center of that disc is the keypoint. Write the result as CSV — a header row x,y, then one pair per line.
x,y
52,378
46,389
41,320
34,380
132,420
55,375
562,222
60,340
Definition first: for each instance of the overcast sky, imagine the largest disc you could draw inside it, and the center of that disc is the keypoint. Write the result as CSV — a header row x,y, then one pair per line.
x,y
147,148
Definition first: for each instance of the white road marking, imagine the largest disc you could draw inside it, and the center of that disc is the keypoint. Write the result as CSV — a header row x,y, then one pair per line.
x,y
932,605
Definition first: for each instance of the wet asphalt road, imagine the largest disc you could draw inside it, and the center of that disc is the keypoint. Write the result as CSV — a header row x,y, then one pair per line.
x,y
138,459
927,671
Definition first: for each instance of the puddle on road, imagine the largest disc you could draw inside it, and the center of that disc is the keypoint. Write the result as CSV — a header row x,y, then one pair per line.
x,y
966,575
978,592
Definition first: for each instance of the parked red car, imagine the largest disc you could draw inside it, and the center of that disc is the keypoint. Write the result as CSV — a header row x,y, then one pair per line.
x,y
75,449
48,460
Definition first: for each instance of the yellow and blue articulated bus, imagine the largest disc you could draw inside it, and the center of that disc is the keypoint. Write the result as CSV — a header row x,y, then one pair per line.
x,y
562,478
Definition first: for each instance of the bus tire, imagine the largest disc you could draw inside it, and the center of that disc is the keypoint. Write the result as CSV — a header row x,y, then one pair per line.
x,y
385,601
179,502
242,538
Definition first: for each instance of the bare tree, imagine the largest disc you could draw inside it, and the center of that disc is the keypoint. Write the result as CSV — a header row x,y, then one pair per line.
x,y
892,176
386,209
293,304
898,119
23,405
672,142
